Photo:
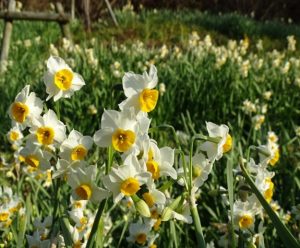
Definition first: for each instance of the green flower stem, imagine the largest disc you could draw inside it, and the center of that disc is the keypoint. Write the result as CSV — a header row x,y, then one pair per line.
x,y
56,199
287,238
215,140
57,108
96,223
230,194
184,169
193,207
194,139
198,227
109,160
173,131
102,204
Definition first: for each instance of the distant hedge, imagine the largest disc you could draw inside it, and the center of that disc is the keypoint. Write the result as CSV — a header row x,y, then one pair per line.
x,y
263,10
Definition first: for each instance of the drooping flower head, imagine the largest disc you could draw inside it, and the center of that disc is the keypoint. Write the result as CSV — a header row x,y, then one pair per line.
x,y
201,167
60,80
221,144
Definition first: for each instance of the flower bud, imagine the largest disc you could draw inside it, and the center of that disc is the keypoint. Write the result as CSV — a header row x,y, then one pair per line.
x,y
168,211
9,236
141,206
167,214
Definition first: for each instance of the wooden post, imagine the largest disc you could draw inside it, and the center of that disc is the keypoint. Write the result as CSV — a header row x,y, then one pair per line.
x,y
87,19
63,25
33,16
72,10
6,37
111,13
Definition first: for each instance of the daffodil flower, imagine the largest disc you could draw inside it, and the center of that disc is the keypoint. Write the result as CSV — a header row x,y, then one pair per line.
x,y
15,136
118,129
25,107
201,169
153,196
84,187
60,80
160,161
75,147
78,216
263,182
139,233
222,144
36,241
5,216
139,90
126,180
36,158
65,168
244,214
47,130
269,153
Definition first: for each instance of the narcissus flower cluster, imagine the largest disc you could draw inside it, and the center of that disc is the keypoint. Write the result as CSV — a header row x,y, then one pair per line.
x,y
138,172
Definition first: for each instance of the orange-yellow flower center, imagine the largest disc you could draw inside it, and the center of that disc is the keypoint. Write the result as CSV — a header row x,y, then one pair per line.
x,y
19,111
78,153
141,238
268,194
63,79
149,199
122,140
77,204
275,158
84,191
154,214
15,209
228,144
83,220
245,221
148,99
152,166
45,135
4,216
13,136
130,186
77,244
157,224
32,161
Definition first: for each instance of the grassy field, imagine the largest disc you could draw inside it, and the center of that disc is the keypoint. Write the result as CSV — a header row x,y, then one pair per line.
x,y
245,76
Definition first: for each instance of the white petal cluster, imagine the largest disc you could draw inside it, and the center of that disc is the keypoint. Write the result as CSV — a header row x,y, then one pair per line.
x,y
47,130
127,179
60,80
25,108
135,89
75,147
84,187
